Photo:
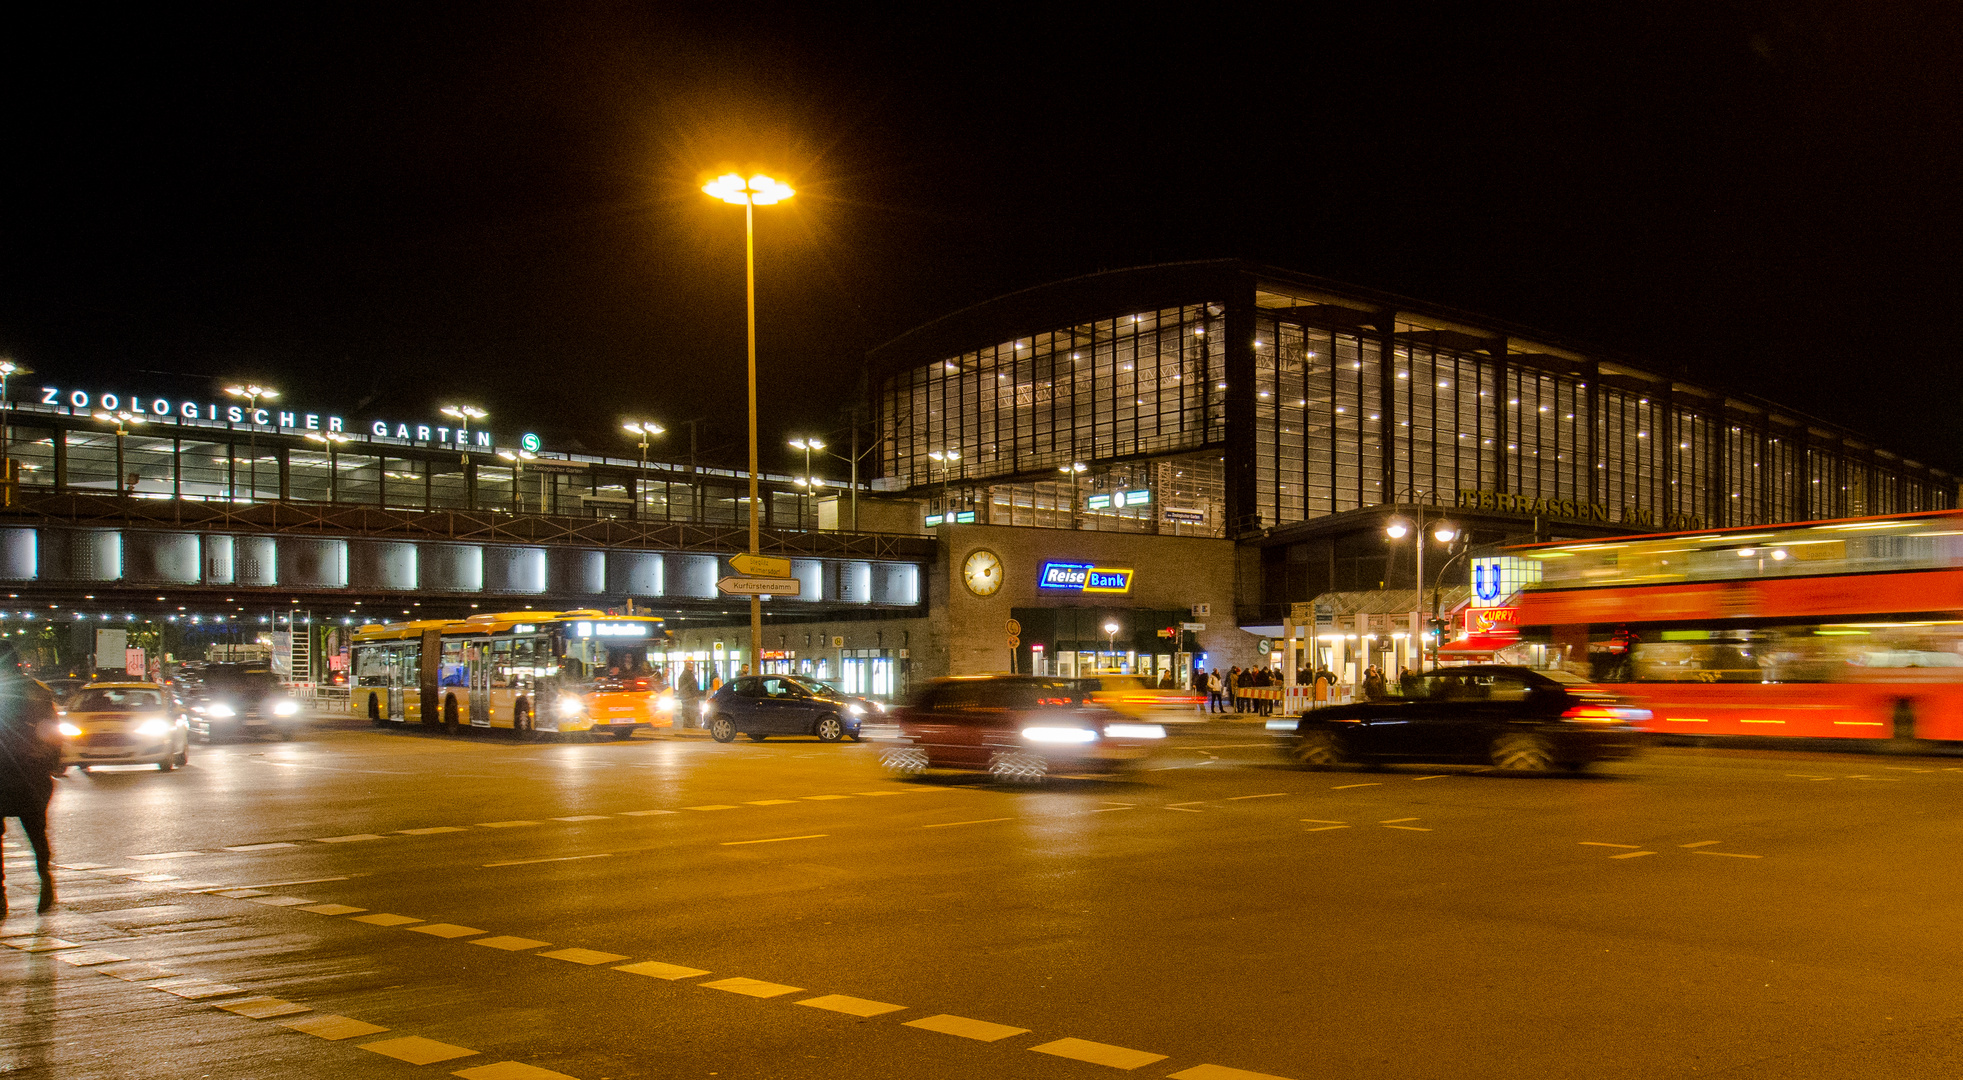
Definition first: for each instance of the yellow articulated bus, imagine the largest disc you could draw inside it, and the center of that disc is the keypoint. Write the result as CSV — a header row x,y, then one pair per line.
x,y
524,671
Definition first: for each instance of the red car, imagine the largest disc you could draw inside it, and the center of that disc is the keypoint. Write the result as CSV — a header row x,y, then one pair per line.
x,y
1017,728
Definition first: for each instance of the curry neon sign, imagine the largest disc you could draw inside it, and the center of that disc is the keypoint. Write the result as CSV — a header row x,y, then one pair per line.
x,y
1083,577
167,410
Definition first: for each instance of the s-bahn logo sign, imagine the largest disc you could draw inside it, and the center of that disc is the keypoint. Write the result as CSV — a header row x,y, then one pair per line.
x,y
287,421
1083,577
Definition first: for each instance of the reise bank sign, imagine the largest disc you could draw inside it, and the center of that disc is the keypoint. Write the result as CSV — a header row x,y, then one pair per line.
x,y
287,421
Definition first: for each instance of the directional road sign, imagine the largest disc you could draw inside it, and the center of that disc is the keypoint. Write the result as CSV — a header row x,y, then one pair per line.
x,y
761,566
759,586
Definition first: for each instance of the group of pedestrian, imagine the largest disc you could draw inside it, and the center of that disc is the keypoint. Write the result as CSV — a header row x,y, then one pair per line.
x,y
1230,690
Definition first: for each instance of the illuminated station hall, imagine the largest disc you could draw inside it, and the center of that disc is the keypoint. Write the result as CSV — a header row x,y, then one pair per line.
x,y
1149,470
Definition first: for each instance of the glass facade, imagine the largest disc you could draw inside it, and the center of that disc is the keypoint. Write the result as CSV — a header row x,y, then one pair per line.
x,y
1299,401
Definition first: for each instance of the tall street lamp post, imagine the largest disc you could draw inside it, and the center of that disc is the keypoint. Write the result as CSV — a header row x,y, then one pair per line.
x,y
463,415
1073,470
333,441
518,458
8,475
1111,640
757,191
643,430
122,419
251,392
808,481
946,459
1442,531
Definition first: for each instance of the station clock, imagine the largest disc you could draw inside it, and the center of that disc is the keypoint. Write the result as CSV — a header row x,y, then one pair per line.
x,y
981,571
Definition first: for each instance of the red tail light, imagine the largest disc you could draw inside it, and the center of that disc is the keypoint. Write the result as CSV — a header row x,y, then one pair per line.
x,y
1591,714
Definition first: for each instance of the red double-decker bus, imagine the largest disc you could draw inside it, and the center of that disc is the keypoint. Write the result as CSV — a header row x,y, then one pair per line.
x,y
1846,629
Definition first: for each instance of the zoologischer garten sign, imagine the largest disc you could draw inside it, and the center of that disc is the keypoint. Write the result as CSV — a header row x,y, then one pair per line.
x,y
286,421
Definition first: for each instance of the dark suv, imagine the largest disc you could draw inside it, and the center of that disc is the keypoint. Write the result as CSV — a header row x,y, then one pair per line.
x,y
1515,718
760,706
238,700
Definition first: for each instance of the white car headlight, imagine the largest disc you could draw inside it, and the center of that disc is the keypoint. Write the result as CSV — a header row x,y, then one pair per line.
x,y
153,727
217,708
1134,731
705,707
856,710
571,706
666,702
286,707
69,729
1059,734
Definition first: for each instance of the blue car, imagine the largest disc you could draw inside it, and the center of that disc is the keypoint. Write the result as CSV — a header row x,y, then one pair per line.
x,y
760,706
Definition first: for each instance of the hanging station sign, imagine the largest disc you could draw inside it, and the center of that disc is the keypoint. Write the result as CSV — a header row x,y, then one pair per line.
x,y
1084,578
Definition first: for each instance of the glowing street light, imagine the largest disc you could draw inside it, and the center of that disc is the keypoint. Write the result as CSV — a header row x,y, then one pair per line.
x,y
252,392
332,440
518,458
807,481
1111,629
463,415
1442,531
757,191
123,419
946,460
643,430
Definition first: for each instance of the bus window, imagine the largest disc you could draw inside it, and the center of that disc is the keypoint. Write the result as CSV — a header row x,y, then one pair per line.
x,y
452,671
501,674
377,666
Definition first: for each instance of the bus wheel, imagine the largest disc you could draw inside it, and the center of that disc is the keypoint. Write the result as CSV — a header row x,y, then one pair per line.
x,y
721,728
450,715
1523,753
375,709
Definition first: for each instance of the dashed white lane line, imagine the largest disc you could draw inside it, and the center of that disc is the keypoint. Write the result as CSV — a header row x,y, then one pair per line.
x,y
771,802
385,919
1598,843
977,821
1346,787
850,1005
1185,807
89,957
1220,1072
655,969
588,957
1270,795
169,855
281,901
191,988
1396,820
756,988
979,1030
585,817
262,1008
713,806
417,1050
1097,1053
333,909
302,881
504,824
433,830
1108,809
262,847
555,858
646,813
1699,844
778,839
351,838
1440,776
1632,854
1728,854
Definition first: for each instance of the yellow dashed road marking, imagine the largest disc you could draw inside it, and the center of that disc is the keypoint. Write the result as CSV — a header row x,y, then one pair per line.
x,y
644,813
433,830
979,1030
503,824
751,987
713,806
1221,1072
821,798
1598,843
262,847
1270,795
332,909
385,920
1701,843
239,894
584,817
771,802
417,1050
851,1005
1726,854
1098,1053
1395,820
877,794
774,839
509,944
1108,809
261,1008
1346,787
1632,854
510,1070
1440,776
977,821
1408,828
584,956
657,970
333,1027
445,930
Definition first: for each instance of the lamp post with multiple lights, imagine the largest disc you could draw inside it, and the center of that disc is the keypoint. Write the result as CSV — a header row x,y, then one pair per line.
x,y
1442,531
807,481
946,460
1074,470
251,392
123,419
643,430
332,440
758,190
518,458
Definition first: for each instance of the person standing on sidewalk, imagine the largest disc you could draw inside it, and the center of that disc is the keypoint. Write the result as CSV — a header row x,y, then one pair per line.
x,y
30,755
1214,689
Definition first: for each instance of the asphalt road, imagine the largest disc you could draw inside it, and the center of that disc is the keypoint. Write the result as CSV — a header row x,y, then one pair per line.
x,y
392,904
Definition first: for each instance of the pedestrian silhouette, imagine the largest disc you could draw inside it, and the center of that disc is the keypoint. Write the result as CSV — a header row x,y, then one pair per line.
x,y
30,755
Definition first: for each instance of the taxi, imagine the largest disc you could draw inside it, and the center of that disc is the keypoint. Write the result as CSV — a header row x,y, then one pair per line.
x,y
123,723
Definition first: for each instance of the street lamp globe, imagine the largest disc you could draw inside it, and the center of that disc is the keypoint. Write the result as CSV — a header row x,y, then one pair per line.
x,y
1398,529
1445,532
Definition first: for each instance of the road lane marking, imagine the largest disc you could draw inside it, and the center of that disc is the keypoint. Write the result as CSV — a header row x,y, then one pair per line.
x,y
433,830
756,988
504,824
850,1005
89,957
446,930
384,920
261,1008
284,884
1407,828
169,855
655,969
1346,787
1440,776
1632,854
417,1050
280,901
877,794
771,802
977,821
1220,1072
1728,854
240,894
774,839
712,806
510,1070
1701,843
80,866
589,957
509,943
1396,820
1598,843
262,847
191,988
979,1030
115,871
584,817
555,858
646,813
1270,795
333,1028
1185,807
353,838
152,879
1108,809
1097,1053
332,909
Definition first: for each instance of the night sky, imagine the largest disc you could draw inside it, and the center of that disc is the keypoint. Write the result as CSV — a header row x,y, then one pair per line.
x,y
385,208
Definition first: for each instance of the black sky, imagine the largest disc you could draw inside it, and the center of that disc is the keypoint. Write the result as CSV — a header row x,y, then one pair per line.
x,y
381,208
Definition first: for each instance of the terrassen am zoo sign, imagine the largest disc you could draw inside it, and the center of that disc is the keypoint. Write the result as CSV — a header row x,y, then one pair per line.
x,y
166,410
1574,510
